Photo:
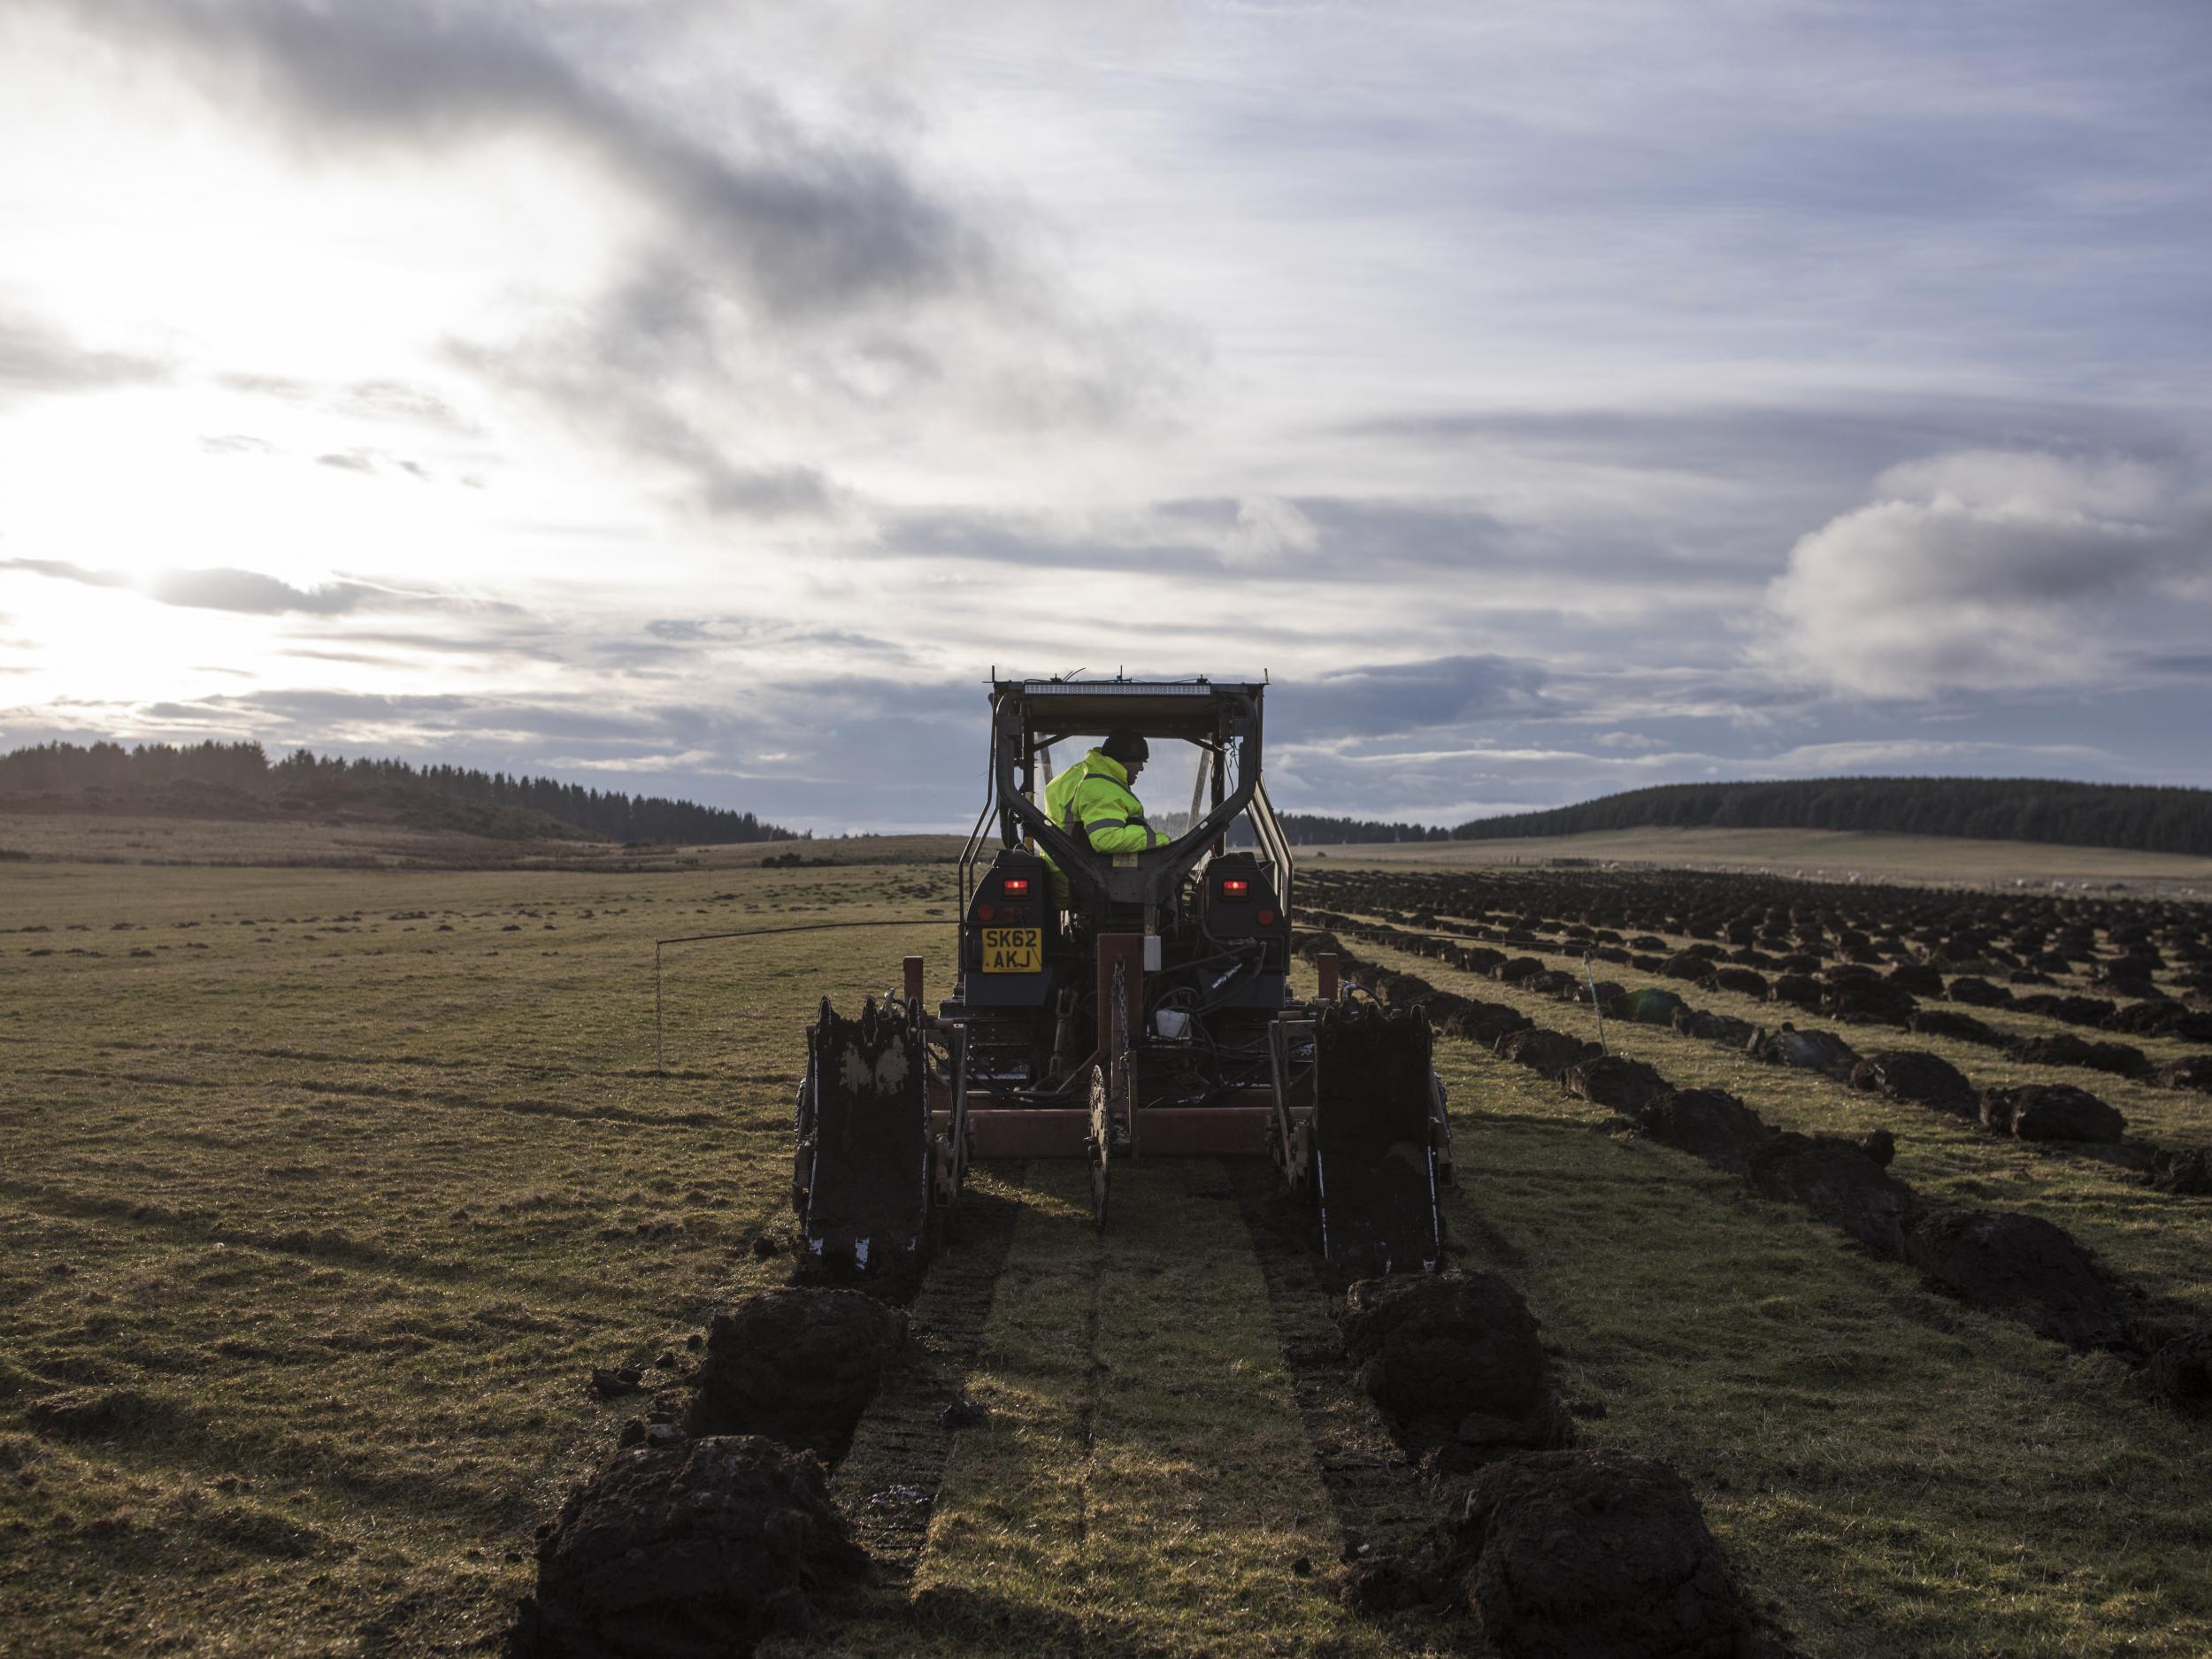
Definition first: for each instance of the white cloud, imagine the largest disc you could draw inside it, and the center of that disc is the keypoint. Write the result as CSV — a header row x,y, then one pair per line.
x,y
1267,528
1993,570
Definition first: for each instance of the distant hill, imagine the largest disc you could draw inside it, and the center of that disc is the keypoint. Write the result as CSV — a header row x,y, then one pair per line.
x,y
238,780
2139,817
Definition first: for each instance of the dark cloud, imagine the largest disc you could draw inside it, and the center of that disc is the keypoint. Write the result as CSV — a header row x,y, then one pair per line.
x,y
38,361
811,225
1321,538
396,400
282,388
1852,439
399,401
2181,664
252,593
372,464
255,594
62,570
783,261
611,372
1397,697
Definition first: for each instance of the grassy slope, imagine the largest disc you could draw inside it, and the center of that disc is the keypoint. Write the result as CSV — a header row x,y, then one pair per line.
x,y
112,838
336,1215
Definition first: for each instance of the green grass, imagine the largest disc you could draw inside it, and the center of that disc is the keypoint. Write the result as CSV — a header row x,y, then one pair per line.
x,y
314,1235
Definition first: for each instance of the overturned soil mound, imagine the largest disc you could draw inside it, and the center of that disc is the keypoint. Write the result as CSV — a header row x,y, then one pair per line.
x,y
1547,1053
2180,1375
1595,1555
797,1365
1842,1182
1697,1022
2018,1265
2065,1048
1478,1021
1878,1001
2188,1174
2051,1112
2160,1017
1978,993
1800,990
1625,1085
1939,1022
2195,1073
1924,1079
1917,977
1651,1006
1808,1050
1709,1123
1454,1364
699,1546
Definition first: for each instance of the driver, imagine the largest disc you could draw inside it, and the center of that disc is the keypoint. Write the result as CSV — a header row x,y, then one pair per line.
x,y
1092,800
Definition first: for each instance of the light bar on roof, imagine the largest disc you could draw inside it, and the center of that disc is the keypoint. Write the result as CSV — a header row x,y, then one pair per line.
x,y
1117,689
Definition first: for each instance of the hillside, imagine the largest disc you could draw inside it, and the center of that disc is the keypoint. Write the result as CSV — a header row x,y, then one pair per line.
x,y
2137,817
237,782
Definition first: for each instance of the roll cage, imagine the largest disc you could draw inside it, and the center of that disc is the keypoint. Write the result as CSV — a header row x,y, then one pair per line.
x,y
1222,721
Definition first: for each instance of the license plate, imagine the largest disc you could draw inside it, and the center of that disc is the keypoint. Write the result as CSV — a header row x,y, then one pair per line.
x,y
1013,949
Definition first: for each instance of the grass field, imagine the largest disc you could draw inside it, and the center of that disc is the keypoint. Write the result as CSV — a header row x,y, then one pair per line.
x,y
324,1191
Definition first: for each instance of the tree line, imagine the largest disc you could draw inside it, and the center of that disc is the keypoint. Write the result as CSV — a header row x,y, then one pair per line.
x,y
1318,829
109,768
2143,818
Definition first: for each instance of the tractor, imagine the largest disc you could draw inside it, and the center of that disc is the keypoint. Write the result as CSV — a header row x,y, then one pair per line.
x,y
1148,1017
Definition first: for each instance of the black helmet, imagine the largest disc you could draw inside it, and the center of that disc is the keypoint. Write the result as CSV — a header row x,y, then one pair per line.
x,y
1125,744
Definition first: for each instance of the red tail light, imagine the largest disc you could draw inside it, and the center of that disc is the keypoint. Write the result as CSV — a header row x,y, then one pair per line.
x,y
1236,887
984,912
1267,918
1014,886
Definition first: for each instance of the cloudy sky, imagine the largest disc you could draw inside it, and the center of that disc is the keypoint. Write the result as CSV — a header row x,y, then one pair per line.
x,y
702,399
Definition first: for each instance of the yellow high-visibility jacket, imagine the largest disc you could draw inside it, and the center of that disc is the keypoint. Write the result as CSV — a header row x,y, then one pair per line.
x,y
1092,802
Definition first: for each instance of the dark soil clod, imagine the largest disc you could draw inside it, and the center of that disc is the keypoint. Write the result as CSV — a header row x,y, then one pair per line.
x,y
1651,1006
1454,1364
1626,1086
1923,1079
1708,1122
2064,1049
1547,1053
2051,1112
799,1365
1595,1555
1843,1182
1807,1050
2018,1265
2180,1375
2195,1073
701,1546
2188,1174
